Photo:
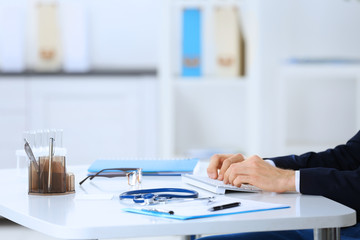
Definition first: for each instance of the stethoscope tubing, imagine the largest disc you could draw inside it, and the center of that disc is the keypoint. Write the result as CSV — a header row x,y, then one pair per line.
x,y
139,196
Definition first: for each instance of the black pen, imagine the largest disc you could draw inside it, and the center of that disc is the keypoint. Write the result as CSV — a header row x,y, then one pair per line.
x,y
225,206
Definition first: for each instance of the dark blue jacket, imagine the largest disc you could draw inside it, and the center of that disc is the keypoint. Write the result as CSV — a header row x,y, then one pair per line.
x,y
334,173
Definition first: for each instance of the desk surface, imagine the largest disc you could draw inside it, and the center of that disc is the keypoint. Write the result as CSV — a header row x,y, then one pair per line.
x,y
70,218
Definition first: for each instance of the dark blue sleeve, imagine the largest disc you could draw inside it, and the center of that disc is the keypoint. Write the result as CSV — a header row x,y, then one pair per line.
x,y
342,157
340,186
334,173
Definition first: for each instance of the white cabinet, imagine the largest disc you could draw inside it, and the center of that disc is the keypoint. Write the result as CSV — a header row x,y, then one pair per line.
x,y
102,116
12,117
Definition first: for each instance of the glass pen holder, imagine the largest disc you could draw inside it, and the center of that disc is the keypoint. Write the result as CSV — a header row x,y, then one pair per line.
x,y
49,176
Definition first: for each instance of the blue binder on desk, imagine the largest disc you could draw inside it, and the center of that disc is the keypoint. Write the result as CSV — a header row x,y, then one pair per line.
x,y
191,43
163,167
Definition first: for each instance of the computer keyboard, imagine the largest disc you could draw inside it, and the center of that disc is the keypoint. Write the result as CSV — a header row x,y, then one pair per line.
x,y
214,185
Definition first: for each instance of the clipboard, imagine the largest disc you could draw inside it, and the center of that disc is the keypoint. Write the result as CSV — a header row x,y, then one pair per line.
x,y
200,209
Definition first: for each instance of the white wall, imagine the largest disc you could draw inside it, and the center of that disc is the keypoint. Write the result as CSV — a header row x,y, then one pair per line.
x,y
307,29
124,34
324,28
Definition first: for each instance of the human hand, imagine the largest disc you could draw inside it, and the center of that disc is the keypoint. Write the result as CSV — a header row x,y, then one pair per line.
x,y
222,162
257,172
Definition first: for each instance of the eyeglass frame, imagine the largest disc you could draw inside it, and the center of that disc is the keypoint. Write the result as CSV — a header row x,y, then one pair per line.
x,y
137,172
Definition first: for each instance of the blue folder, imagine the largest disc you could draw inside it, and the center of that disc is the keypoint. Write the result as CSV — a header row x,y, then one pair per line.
x,y
183,217
149,166
191,43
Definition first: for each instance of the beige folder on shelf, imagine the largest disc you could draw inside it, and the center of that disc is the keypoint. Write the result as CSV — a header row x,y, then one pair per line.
x,y
48,55
229,42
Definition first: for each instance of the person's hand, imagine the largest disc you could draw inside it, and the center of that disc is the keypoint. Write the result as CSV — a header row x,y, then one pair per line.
x,y
222,162
257,172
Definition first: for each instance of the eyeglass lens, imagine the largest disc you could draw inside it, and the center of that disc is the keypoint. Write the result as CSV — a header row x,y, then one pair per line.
x,y
134,177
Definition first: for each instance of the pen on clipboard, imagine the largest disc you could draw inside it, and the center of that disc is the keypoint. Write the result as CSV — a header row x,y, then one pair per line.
x,y
225,206
157,210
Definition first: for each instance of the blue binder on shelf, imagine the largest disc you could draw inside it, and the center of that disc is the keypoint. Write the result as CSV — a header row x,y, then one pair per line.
x,y
191,43
163,167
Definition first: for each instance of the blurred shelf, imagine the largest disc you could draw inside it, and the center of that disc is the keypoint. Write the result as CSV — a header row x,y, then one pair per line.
x,y
142,72
211,82
321,69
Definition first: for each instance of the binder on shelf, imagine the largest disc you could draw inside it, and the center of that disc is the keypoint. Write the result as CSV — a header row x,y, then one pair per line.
x,y
74,37
191,43
12,38
229,42
48,56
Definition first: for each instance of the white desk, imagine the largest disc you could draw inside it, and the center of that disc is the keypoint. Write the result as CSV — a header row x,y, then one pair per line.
x,y
68,218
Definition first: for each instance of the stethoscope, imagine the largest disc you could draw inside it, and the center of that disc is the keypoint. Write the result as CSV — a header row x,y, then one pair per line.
x,y
158,195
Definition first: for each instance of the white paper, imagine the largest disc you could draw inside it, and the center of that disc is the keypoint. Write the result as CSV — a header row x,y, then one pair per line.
x,y
201,208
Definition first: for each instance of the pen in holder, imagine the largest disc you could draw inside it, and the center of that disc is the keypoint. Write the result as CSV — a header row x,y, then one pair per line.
x,y
47,174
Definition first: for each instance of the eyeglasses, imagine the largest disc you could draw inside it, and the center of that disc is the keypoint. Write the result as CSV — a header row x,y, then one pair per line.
x,y
134,175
